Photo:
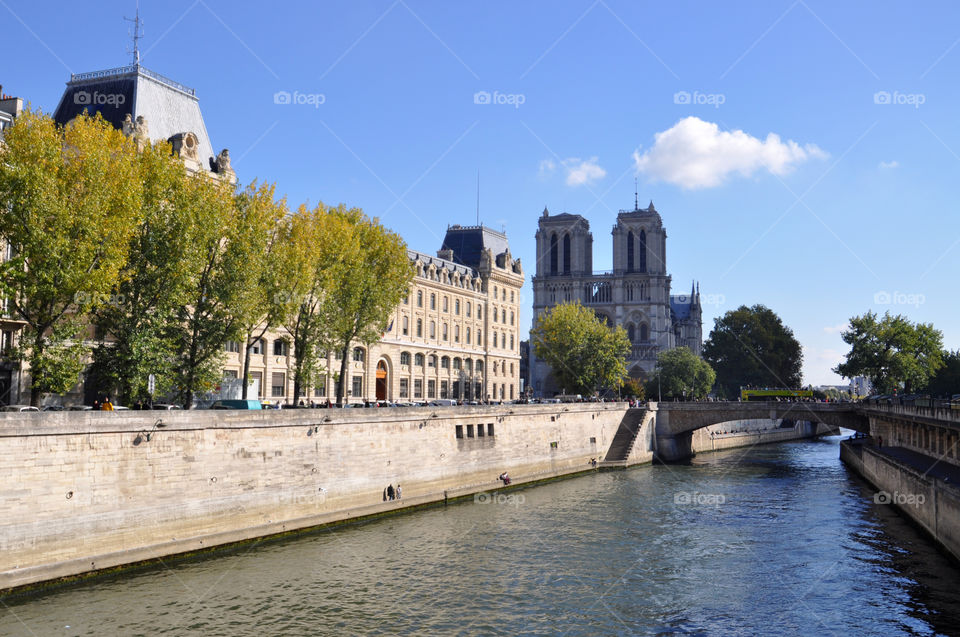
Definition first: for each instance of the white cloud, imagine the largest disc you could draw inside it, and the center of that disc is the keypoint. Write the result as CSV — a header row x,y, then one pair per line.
x,y
583,173
546,168
697,154
888,165
836,329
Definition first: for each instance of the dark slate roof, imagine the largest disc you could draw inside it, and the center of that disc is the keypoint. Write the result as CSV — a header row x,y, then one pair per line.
x,y
467,242
427,259
168,106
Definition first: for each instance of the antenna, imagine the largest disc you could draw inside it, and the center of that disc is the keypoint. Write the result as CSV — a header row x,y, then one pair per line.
x,y
636,195
478,196
136,34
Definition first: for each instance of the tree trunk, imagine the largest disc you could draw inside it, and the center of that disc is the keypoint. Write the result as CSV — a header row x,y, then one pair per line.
x,y
341,386
246,367
35,393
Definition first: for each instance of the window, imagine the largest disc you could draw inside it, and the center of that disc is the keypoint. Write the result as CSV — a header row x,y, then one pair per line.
x,y
468,365
445,362
433,329
280,347
257,347
278,388
631,333
433,301
511,369
232,346
432,361
419,298
456,333
480,431
479,313
511,296
457,363
444,389
511,318
404,358
479,366
566,258
230,374
456,307
418,360
494,339
358,386
459,431
358,354
406,325
431,389
338,355
469,431
418,388
495,315
321,387
643,251
6,342
511,341
446,335
446,304
404,388
490,429
406,298
468,336
630,251
644,333
419,327
468,309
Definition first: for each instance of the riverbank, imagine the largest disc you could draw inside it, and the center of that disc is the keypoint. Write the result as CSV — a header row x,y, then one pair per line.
x,y
924,489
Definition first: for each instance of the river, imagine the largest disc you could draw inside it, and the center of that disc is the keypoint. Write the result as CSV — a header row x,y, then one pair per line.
x,y
771,540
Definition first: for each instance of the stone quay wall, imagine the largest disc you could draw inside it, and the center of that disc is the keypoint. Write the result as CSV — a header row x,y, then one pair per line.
x,y
86,491
927,500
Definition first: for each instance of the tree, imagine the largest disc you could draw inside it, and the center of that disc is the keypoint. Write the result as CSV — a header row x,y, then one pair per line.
x,y
262,306
70,201
681,374
751,347
367,286
584,354
946,382
891,351
634,388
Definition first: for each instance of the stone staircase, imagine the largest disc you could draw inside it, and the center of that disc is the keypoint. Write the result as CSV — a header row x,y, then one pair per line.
x,y
624,439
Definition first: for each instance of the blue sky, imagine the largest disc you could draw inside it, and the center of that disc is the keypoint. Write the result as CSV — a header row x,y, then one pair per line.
x,y
849,206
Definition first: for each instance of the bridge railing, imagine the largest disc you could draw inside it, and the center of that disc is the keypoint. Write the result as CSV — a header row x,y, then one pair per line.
x,y
938,410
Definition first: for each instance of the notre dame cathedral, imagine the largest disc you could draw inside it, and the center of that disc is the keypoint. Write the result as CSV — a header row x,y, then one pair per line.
x,y
635,294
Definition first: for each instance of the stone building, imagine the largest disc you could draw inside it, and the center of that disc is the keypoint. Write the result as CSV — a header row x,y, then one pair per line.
x,y
455,336
634,294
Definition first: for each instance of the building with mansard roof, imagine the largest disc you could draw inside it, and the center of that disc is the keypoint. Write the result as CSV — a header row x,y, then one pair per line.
x,y
635,294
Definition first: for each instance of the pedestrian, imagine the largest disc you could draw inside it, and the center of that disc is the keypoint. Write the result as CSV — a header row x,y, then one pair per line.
x,y
107,405
96,404
384,494
398,490
390,492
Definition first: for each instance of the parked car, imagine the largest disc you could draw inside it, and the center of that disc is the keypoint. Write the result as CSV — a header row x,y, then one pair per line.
x,y
18,408
443,402
53,408
79,408
236,404
164,406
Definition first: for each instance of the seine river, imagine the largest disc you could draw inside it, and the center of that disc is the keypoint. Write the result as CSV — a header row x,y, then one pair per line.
x,y
773,540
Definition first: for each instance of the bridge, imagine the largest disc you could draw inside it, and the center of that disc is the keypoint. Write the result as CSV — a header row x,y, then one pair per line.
x,y
667,428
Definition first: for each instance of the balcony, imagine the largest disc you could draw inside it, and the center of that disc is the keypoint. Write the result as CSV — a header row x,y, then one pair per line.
x,y
644,351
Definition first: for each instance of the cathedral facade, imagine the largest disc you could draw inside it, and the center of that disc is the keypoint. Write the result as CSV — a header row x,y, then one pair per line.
x,y
635,294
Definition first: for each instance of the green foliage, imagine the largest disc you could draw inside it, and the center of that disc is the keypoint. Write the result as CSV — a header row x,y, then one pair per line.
x,y
681,374
70,201
750,346
582,351
56,365
634,388
946,382
891,351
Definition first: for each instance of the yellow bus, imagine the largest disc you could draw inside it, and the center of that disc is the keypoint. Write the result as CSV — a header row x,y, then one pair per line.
x,y
773,394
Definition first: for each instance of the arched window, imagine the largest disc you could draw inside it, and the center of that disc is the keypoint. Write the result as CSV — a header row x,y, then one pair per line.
x,y
643,251
631,333
630,251
494,339
468,336
433,301
358,354
456,307
511,341
457,363
494,368
456,333
419,327
566,258
468,365
468,309
446,303
479,313
404,358
446,335
495,314
433,329
479,367
419,298
418,360
432,360
406,325
554,249
511,318
644,333
445,362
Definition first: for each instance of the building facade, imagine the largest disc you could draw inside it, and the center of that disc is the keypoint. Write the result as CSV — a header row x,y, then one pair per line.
x,y
11,370
635,294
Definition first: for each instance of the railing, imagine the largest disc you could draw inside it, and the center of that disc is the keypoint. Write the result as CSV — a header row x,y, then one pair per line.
x,y
643,352
126,70
937,410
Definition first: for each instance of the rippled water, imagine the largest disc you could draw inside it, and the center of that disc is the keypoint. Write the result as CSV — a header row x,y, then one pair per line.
x,y
784,541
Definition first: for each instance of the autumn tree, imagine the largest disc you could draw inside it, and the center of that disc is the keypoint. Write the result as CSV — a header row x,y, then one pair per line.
x,y
681,374
751,347
584,353
891,351
70,201
368,284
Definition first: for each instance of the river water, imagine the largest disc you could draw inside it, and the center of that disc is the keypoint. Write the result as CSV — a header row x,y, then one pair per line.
x,y
772,540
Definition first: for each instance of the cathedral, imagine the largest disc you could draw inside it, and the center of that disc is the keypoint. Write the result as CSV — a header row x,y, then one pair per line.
x,y
635,294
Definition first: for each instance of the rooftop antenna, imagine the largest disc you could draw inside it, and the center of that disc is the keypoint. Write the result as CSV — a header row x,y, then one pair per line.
x,y
478,196
636,195
136,34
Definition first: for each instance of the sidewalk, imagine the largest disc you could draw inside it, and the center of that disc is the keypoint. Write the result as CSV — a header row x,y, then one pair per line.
x,y
929,465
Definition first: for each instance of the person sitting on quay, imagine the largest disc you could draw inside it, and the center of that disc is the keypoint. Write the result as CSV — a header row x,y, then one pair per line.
x,y
505,478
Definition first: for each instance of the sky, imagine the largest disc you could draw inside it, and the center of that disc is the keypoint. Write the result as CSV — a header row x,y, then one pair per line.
x,y
802,154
